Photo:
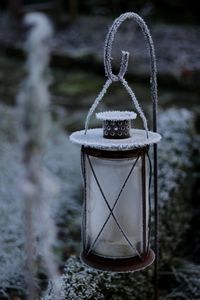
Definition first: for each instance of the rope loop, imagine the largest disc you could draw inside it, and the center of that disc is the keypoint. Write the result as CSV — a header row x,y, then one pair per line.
x,y
123,68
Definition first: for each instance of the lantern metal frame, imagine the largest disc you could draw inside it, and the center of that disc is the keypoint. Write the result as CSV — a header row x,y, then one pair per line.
x,y
117,264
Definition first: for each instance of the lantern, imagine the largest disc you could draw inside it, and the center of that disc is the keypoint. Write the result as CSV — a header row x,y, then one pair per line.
x,y
117,173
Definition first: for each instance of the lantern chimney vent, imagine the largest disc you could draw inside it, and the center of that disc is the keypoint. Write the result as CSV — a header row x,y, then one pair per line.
x,y
116,124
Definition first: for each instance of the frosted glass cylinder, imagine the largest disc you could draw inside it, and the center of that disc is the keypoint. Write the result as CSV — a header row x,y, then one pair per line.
x,y
107,179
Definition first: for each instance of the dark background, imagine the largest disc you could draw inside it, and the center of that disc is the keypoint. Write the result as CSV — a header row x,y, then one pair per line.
x,y
183,11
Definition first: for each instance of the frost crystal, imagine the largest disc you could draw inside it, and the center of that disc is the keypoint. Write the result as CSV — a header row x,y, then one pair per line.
x,y
176,126
61,160
116,115
37,187
12,255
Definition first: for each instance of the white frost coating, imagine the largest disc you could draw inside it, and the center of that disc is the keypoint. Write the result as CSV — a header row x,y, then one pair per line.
x,y
123,68
41,32
37,187
12,254
177,145
136,103
96,103
94,139
65,168
149,43
116,115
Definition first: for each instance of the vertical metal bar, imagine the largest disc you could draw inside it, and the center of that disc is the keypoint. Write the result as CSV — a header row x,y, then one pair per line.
x,y
149,198
156,221
84,212
154,98
156,210
144,208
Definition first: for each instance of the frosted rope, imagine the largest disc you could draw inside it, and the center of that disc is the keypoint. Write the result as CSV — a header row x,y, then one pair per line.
x,y
96,103
149,42
136,103
122,71
124,65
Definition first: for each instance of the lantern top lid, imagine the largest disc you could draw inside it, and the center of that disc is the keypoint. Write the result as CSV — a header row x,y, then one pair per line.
x,y
116,115
94,139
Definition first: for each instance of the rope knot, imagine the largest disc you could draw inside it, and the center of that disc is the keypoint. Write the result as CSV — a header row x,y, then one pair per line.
x,y
122,70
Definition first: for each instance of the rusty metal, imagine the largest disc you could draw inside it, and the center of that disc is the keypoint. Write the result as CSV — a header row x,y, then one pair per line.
x,y
156,224
113,154
156,207
144,197
114,129
132,264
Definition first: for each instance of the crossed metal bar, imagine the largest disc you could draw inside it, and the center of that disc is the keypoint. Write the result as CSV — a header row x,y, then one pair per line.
x,y
115,203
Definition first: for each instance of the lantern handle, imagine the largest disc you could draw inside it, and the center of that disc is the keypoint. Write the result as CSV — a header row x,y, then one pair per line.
x,y
123,68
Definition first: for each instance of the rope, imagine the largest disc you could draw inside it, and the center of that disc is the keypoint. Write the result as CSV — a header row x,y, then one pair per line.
x,y
96,103
123,67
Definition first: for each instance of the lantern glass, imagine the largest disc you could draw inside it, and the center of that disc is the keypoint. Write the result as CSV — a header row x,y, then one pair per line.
x,y
117,206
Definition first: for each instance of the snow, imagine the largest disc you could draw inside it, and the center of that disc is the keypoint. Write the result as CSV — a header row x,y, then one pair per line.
x,y
116,115
94,139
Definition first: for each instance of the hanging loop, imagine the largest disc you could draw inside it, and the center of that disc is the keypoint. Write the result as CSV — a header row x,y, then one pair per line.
x,y
123,68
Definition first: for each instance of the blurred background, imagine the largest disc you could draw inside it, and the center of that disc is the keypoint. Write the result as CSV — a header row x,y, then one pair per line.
x,y
77,76
77,50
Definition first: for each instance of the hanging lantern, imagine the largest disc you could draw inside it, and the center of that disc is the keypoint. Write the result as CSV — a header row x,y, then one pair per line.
x,y
117,173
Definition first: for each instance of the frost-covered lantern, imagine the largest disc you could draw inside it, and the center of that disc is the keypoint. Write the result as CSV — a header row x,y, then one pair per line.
x,y
117,171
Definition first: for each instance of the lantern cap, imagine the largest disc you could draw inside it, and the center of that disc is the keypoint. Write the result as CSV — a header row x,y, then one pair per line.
x,y
116,124
116,115
94,139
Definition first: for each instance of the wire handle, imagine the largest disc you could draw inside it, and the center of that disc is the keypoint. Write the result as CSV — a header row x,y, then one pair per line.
x,y
123,68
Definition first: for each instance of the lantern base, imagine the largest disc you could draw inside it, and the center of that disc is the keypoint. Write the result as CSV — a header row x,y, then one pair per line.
x,y
118,264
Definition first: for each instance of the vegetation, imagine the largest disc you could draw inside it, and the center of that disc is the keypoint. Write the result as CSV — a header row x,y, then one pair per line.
x,y
176,168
